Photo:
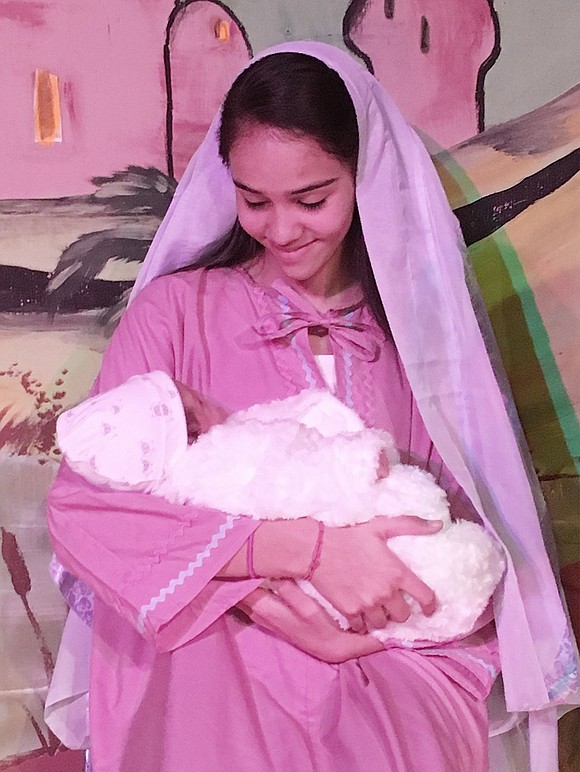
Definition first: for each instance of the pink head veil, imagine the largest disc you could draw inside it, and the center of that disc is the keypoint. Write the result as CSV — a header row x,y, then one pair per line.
x,y
417,255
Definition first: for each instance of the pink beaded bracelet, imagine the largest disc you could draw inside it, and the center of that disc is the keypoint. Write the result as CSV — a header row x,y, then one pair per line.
x,y
316,553
314,561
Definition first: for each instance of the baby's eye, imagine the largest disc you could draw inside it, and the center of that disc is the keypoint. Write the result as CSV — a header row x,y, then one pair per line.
x,y
312,204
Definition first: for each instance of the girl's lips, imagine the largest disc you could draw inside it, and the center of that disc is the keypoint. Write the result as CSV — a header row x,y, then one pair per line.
x,y
289,253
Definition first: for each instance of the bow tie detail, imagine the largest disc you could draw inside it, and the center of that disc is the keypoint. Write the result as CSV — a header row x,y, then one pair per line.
x,y
359,338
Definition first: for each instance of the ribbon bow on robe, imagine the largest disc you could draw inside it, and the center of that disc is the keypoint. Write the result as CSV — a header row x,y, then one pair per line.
x,y
359,338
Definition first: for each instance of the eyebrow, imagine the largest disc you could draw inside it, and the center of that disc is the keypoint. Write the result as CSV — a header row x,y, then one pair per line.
x,y
297,192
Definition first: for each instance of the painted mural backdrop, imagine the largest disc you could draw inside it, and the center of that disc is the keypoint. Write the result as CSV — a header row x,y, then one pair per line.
x,y
103,106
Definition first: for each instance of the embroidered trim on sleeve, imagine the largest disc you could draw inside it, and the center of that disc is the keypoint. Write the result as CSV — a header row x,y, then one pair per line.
x,y
186,573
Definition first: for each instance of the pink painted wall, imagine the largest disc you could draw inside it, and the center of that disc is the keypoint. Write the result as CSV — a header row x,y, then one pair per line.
x,y
202,69
435,89
110,62
109,59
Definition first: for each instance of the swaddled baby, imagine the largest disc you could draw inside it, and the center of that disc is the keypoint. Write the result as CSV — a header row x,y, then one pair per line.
x,y
305,456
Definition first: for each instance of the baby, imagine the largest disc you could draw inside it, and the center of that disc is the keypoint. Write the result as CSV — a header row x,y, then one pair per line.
x,y
305,456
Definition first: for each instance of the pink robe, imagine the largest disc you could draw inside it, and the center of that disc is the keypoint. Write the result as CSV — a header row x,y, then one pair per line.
x,y
177,683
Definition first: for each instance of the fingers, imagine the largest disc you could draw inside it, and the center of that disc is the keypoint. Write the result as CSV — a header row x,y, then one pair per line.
x,y
308,608
313,631
404,525
297,599
357,624
423,594
394,608
398,608
376,618
255,600
314,634
377,585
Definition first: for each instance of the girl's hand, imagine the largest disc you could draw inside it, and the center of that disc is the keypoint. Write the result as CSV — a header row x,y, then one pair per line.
x,y
360,576
290,614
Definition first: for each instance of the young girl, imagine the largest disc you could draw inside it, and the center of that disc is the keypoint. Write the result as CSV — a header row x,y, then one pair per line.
x,y
330,258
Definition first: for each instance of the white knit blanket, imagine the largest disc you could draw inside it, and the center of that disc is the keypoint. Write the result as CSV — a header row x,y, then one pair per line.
x,y
305,456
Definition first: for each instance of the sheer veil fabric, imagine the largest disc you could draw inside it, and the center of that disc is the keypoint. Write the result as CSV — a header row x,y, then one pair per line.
x,y
417,255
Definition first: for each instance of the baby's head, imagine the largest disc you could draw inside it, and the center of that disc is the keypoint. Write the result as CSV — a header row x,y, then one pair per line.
x,y
383,465
200,413
125,437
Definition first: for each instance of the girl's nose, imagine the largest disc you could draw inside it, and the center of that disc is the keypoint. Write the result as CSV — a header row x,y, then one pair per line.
x,y
283,227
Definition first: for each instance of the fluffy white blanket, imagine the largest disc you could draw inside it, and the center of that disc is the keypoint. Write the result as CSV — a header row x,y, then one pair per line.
x,y
307,455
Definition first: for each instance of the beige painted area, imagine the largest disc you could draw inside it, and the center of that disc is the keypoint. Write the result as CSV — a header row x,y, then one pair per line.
x,y
33,234
555,125
546,238
23,679
546,235
63,356
46,353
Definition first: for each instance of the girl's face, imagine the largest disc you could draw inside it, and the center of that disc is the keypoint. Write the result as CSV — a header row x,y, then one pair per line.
x,y
297,201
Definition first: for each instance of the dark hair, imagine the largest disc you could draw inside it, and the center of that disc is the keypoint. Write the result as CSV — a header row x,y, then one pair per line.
x,y
298,94
301,95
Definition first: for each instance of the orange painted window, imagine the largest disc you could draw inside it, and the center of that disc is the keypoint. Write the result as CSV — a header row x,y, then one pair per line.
x,y
47,115
222,30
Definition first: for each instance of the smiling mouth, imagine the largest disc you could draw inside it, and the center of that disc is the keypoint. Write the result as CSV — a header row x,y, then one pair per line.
x,y
290,251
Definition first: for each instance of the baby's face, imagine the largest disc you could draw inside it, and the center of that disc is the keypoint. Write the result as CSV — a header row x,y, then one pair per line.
x,y
383,466
200,413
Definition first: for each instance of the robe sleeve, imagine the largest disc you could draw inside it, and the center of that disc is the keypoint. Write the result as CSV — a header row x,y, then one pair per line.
x,y
151,561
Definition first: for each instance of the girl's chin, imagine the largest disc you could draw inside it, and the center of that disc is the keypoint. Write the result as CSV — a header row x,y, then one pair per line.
x,y
304,269
298,273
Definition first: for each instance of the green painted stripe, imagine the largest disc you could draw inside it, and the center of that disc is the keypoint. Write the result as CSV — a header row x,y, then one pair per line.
x,y
546,412
457,174
543,350
541,421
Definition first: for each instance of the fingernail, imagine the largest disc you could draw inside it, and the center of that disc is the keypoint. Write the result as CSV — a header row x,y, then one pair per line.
x,y
435,525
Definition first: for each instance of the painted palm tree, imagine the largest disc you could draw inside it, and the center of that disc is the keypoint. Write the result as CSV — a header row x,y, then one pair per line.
x,y
137,198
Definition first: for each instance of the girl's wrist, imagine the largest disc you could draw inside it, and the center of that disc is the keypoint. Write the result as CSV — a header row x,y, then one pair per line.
x,y
316,553
286,549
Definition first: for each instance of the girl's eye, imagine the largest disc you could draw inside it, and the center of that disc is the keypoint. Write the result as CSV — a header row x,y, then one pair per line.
x,y
305,205
312,204
254,204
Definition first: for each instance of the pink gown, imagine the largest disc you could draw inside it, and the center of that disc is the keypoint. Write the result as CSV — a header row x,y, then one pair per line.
x,y
177,682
